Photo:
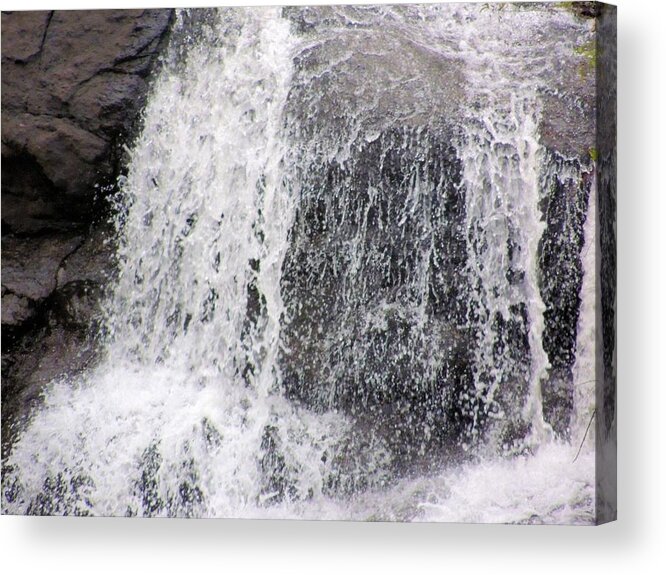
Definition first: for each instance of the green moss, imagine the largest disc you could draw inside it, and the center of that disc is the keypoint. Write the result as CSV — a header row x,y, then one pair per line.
x,y
489,6
589,52
594,154
580,9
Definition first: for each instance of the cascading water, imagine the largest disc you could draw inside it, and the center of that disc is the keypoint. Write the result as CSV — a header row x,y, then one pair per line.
x,y
332,299
182,417
502,160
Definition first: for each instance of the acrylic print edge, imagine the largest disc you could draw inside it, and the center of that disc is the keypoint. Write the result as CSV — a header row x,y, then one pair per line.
x,y
606,293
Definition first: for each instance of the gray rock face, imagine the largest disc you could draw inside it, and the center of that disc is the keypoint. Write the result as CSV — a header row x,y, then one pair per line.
x,y
373,280
29,266
72,83
73,86
69,156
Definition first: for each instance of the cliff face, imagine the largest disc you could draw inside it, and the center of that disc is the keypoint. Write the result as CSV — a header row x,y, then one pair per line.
x,y
73,86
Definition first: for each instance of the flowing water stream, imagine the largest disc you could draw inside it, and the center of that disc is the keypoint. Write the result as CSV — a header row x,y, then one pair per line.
x,y
351,270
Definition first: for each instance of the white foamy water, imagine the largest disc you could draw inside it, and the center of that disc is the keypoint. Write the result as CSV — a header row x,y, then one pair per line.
x,y
186,415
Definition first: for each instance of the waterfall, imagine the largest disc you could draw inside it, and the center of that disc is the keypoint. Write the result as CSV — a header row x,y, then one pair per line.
x,y
183,417
331,300
503,159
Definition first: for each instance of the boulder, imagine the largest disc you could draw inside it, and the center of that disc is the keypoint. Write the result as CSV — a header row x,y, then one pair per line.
x,y
73,82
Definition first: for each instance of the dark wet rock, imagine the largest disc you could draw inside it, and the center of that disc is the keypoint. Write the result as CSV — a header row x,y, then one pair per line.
x,y
29,265
77,305
359,462
16,309
93,260
56,53
73,86
278,478
36,269
70,157
72,83
586,9
564,209
102,102
373,280
22,39
63,495
606,414
31,205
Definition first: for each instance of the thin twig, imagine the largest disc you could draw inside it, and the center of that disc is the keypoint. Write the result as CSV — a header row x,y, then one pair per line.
x,y
594,411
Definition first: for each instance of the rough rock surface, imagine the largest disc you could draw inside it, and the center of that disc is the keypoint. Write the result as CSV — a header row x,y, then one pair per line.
x,y
73,86
72,83
29,267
